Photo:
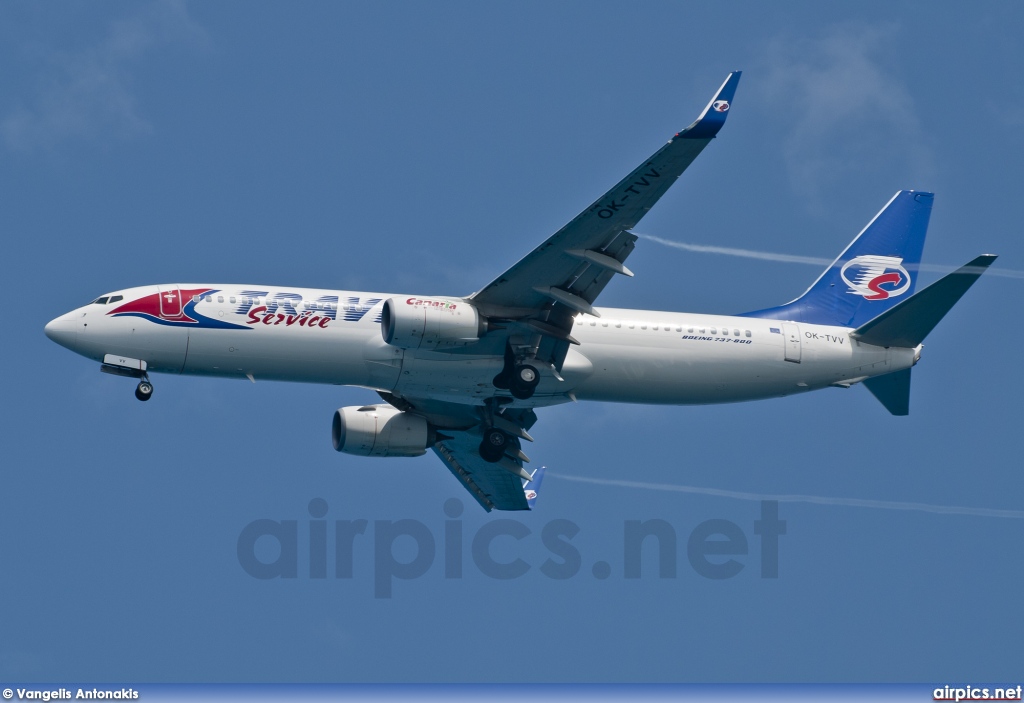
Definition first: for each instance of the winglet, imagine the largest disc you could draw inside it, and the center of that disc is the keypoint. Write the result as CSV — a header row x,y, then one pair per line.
x,y
713,117
531,487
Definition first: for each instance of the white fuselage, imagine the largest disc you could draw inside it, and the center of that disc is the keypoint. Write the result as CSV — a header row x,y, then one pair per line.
x,y
632,356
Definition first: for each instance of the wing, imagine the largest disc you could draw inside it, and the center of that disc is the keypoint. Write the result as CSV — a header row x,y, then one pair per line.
x,y
493,486
575,264
531,307
504,485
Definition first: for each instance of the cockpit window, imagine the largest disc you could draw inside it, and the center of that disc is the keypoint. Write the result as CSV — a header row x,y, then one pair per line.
x,y
101,301
116,298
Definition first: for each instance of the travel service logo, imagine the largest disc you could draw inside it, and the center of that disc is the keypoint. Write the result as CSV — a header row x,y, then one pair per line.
x,y
876,277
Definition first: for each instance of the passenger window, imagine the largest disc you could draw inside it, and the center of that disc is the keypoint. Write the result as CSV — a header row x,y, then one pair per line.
x,y
604,324
232,300
618,324
714,330
654,327
747,333
702,330
736,333
209,298
116,298
220,298
593,323
690,330
195,298
643,325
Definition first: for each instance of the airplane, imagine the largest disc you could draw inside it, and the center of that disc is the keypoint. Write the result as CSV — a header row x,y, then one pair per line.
x,y
463,376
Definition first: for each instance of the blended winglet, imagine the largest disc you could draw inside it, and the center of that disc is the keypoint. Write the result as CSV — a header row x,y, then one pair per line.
x,y
711,120
531,487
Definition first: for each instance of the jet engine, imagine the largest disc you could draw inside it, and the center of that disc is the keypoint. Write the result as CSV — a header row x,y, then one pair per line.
x,y
379,430
429,323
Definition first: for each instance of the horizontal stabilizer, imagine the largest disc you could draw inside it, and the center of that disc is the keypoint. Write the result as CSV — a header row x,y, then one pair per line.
x,y
909,322
892,391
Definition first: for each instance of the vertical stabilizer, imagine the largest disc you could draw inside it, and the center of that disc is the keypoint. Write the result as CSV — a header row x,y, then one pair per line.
x,y
876,271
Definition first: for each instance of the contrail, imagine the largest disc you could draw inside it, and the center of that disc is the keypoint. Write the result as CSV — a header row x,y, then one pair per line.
x,y
744,253
797,498
795,259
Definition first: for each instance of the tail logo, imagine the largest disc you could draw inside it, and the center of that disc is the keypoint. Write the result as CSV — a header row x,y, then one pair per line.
x,y
876,277
721,105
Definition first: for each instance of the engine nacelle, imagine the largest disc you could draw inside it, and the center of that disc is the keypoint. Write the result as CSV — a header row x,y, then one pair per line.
x,y
429,323
379,430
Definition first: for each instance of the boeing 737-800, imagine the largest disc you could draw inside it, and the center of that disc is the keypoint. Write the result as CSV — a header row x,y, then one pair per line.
x,y
462,376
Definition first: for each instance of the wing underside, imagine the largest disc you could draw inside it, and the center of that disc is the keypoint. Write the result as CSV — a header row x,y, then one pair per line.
x,y
493,486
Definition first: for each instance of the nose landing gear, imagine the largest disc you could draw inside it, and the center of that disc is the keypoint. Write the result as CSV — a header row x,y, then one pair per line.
x,y
132,368
144,391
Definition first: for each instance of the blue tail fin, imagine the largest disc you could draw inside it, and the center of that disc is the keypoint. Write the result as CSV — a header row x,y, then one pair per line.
x,y
877,270
531,487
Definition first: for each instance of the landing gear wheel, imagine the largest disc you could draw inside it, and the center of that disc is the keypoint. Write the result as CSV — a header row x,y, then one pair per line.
x,y
524,382
144,391
492,448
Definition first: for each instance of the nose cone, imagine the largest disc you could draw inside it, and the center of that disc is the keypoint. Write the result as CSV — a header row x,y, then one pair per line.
x,y
62,330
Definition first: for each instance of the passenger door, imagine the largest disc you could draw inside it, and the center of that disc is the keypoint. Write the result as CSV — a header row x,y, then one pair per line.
x,y
791,333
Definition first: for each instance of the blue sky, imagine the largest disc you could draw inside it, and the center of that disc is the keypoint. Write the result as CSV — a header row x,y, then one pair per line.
x,y
421,148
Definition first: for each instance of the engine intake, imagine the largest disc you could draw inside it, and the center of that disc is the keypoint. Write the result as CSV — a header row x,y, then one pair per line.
x,y
429,323
379,430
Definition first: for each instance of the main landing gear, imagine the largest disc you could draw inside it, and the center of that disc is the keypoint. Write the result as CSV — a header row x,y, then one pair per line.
x,y
493,446
524,381
144,391
518,379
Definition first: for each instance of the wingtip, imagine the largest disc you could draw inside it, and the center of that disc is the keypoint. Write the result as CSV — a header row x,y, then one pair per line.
x,y
983,261
714,115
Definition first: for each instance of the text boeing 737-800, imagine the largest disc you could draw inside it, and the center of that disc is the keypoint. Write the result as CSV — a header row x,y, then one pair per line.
x,y
462,376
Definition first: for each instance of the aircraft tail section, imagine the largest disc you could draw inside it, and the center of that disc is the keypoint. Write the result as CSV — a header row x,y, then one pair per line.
x,y
875,272
909,322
